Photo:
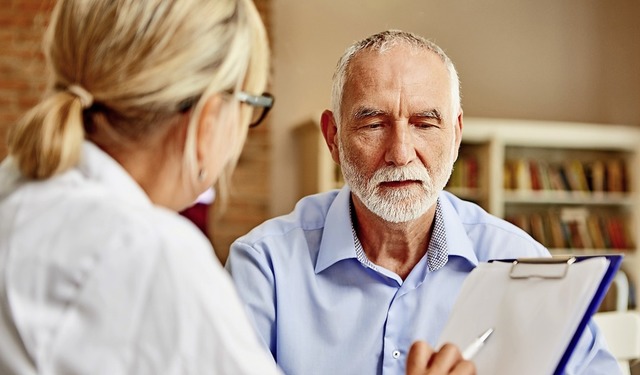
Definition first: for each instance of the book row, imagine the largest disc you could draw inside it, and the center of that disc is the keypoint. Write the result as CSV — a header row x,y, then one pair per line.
x,y
570,175
576,228
465,173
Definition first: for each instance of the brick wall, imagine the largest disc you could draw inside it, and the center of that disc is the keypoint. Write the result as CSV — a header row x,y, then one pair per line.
x,y
22,77
22,80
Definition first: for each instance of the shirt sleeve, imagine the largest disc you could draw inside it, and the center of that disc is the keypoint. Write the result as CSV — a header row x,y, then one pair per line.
x,y
591,355
254,280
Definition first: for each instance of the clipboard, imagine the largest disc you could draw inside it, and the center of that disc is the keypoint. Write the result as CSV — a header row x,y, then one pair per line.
x,y
538,308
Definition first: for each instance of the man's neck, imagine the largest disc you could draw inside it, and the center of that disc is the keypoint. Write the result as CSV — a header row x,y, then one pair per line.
x,y
397,247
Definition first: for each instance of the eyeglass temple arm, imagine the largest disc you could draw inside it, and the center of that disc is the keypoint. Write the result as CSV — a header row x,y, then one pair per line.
x,y
256,101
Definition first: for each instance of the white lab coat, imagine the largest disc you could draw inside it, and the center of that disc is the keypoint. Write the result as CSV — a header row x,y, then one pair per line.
x,y
95,279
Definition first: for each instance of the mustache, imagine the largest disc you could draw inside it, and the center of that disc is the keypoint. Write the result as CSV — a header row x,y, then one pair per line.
x,y
404,173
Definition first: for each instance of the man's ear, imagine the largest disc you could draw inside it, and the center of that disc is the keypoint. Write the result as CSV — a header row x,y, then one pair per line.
x,y
458,133
330,133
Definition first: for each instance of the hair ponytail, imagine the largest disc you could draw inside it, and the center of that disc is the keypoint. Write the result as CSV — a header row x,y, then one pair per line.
x,y
49,137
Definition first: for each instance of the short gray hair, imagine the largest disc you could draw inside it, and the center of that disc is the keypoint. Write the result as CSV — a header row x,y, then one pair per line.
x,y
381,42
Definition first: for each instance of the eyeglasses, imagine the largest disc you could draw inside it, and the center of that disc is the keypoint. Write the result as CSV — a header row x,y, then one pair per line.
x,y
261,105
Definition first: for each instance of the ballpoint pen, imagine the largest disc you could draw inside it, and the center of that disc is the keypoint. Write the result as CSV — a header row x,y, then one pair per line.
x,y
475,346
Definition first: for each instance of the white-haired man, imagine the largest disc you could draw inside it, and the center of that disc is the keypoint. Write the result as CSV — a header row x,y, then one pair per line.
x,y
347,281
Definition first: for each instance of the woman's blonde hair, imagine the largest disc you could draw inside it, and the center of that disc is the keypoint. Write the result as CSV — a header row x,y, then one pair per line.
x,y
131,67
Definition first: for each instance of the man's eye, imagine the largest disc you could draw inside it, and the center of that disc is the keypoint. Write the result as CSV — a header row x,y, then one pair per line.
x,y
373,125
424,125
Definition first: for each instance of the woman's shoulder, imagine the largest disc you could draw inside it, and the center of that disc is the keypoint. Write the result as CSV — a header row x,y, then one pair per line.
x,y
78,218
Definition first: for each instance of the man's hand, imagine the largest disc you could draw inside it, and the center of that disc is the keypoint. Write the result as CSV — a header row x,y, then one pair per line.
x,y
423,360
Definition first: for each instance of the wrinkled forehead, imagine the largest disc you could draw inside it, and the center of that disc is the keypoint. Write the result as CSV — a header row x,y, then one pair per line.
x,y
400,72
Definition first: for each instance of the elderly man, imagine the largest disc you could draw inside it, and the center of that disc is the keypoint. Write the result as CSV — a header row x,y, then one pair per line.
x,y
347,281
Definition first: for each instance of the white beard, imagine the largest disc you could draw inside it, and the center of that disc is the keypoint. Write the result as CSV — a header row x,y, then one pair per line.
x,y
396,205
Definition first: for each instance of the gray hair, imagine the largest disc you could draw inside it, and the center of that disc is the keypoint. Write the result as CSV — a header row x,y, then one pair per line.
x,y
382,42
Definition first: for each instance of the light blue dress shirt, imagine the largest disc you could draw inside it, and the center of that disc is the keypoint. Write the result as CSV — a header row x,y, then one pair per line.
x,y
321,310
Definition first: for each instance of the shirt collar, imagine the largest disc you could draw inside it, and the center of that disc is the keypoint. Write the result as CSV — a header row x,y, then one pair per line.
x,y
338,238
96,165
438,249
11,176
458,242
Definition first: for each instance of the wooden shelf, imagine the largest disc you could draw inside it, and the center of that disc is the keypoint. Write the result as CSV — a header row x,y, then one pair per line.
x,y
568,197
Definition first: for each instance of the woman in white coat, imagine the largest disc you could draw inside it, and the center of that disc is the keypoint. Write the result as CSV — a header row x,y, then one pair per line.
x,y
148,105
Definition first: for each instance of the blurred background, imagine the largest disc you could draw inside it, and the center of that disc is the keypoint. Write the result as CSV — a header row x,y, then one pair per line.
x,y
570,60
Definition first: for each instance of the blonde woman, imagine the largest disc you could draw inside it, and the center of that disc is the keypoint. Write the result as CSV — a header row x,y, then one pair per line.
x,y
149,104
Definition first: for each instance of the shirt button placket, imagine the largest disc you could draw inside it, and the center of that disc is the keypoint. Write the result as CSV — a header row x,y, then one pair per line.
x,y
392,347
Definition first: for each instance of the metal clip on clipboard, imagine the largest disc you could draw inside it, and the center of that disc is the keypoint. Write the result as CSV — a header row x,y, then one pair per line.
x,y
544,268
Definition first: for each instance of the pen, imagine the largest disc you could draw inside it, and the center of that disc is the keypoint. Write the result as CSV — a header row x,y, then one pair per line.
x,y
475,346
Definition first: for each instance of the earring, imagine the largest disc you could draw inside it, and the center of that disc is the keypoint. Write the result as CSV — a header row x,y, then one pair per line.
x,y
202,174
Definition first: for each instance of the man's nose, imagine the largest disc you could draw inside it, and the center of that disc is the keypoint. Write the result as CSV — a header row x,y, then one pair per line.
x,y
400,147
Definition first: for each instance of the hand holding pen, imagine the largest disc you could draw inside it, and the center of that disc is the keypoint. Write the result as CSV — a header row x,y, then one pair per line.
x,y
476,345
423,360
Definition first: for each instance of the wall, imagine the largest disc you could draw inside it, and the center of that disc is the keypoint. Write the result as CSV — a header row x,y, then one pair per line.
x,y
570,60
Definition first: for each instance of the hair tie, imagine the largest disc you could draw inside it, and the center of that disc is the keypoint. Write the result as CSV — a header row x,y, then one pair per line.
x,y
86,99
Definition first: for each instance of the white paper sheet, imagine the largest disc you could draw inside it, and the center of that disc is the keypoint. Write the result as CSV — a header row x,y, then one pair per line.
x,y
533,318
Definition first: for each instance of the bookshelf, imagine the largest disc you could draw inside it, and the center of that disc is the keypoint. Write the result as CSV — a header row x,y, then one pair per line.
x,y
572,186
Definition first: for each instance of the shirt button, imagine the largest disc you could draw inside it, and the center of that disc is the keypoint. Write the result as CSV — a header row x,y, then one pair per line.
x,y
395,354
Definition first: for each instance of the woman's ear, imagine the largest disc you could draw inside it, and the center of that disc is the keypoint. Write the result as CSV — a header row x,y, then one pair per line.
x,y
207,128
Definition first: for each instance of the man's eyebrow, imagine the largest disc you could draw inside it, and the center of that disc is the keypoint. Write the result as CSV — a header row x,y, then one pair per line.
x,y
432,113
365,112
